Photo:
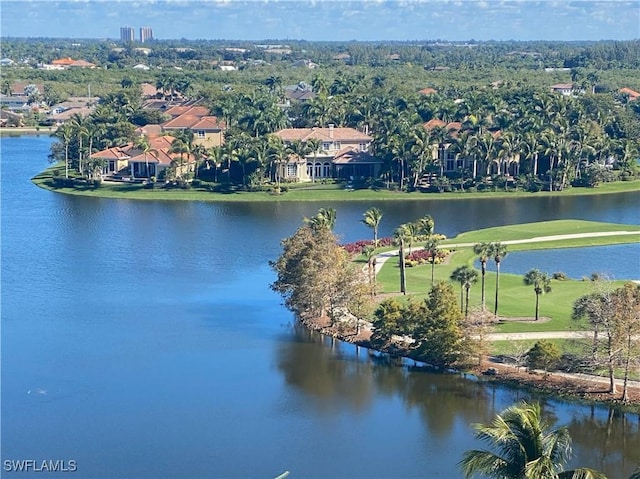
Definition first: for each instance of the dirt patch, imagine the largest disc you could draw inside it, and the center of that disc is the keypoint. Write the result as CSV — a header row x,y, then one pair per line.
x,y
556,384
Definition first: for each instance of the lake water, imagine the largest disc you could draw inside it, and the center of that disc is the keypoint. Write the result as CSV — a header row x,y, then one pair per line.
x,y
141,339
615,262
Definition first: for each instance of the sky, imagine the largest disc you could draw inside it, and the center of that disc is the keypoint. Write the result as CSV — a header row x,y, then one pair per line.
x,y
337,20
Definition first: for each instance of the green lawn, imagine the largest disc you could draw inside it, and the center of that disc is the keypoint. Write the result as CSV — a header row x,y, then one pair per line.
x,y
516,299
307,192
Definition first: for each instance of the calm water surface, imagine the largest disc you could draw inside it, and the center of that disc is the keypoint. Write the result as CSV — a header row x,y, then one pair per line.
x,y
141,340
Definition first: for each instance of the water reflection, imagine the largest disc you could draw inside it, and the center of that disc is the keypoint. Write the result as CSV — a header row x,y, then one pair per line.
x,y
333,375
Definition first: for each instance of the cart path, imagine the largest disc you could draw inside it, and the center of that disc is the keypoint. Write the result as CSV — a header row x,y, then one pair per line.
x,y
383,257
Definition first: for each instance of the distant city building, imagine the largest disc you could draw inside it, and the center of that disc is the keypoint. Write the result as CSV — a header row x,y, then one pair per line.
x,y
127,34
146,34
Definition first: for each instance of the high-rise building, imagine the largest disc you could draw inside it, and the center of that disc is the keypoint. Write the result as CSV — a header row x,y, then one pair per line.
x,y
127,34
146,34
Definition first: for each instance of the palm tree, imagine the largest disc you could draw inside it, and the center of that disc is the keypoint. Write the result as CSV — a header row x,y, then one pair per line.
x,y
372,218
180,146
326,218
399,237
484,251
369,252
467,277
541,284
65,133
525,448
426,224
498,251
431,246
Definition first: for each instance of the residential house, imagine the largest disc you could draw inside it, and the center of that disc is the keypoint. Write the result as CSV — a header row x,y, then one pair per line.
x,y
14,103
18,88
343,153
450,160
566,89
207,130
131,162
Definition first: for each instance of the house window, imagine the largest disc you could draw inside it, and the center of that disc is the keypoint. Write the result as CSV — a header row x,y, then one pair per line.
x,y
450,165
318,170
292,170
326,170
201,134
363,146
326,146
309,170
336,145
459,164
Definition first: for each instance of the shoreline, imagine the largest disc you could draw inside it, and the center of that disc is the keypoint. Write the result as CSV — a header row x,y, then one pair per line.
x,y
26,131
565,386
310,193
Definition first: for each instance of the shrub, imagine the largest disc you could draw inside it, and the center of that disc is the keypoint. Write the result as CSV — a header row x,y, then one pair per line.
x,y
559,275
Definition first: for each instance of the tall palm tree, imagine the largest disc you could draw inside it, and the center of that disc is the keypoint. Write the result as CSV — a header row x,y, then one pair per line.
x,y
432,246
181,147
526,448
369,252
483,250
498,251
372,218
541,284
65,133
399,238
467,277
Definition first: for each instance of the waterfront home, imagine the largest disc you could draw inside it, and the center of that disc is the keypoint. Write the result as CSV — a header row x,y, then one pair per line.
x,y
451,161
342,153
130,162
208,130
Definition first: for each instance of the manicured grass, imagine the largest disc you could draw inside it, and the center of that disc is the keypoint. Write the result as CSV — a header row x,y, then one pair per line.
x,y
516,299
317,192
534,230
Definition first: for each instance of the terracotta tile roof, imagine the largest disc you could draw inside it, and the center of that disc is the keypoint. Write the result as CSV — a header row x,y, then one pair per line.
x,y
17,88
148,90
63,61
434,123
81,64
428,91
115,153
208,123
632,94
150,131
324,134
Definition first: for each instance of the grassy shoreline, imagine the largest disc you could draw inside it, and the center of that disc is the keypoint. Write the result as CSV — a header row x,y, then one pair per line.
x,y
310,193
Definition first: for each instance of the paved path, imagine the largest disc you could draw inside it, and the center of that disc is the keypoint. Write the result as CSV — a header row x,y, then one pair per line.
x,y
383,257
539,335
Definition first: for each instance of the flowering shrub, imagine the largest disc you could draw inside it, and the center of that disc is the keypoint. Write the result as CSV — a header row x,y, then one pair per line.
x,y
421,256
356,247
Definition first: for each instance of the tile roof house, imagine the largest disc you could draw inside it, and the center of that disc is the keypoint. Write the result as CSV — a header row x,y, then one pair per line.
x,y
17,88
131,162
564,89
208,130
343,153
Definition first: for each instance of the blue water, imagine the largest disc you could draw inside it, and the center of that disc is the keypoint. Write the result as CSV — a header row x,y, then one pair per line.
x,y
141,340
615,262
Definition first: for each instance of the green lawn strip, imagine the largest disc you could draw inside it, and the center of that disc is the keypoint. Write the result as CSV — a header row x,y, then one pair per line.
x,y
513,348
306,192
534,230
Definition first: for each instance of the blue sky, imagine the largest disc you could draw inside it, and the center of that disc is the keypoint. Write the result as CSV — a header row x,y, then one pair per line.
x,y
341,20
